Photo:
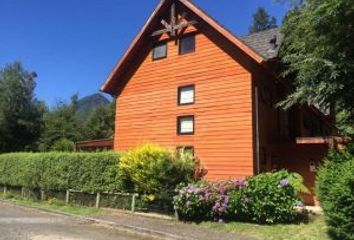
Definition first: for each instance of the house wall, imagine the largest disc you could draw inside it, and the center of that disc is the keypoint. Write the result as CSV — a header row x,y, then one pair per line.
x,y
147,106
297,158
278,147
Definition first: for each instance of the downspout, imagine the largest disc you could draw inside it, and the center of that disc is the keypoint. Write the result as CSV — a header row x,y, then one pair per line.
x,y
257,130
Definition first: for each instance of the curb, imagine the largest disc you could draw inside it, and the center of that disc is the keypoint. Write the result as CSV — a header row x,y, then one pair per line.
x,y
129,229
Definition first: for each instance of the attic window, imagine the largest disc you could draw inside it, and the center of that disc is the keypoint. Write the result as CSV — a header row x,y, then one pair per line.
x,y
159,51
187,45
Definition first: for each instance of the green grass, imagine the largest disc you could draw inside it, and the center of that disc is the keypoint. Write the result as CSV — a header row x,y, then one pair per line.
x,y
314,230
54,204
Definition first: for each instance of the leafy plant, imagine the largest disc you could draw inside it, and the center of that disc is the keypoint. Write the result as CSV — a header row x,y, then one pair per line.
x,y
318,55
267,198
194,201
63,145
262,21
20,111
89,172
152,169
335,190
270,198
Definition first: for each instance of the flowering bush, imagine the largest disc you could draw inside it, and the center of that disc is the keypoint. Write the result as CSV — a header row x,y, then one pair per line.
x,y
266,198
194,201
270,198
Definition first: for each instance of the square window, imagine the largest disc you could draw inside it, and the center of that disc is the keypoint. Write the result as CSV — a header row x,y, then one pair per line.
x,y
185,125
159,51
187,45
186,95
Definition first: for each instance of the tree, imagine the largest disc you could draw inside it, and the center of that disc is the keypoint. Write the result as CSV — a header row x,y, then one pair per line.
x,y
100,123
20,111
262,21
318,54
291,3
60,126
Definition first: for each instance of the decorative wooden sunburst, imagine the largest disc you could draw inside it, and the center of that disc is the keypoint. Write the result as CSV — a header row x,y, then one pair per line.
x,y
176,23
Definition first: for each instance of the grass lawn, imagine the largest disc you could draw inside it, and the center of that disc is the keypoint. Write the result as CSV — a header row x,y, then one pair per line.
x,y
314,230
55,205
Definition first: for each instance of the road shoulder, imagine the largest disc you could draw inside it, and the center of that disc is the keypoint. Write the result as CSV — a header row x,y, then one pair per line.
x,y
148,227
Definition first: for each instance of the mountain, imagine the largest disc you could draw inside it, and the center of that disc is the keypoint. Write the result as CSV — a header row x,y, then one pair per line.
x,y
89,103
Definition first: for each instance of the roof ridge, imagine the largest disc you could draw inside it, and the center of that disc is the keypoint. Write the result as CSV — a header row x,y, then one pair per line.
x,y
260,32
229,36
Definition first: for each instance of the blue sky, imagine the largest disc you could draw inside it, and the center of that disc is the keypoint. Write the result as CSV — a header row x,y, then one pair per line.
x,y
74,44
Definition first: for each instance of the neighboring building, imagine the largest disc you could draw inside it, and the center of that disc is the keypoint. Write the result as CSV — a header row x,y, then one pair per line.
x,y
186,81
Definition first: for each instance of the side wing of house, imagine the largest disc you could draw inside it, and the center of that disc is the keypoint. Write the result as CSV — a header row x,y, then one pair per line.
x,y
280,131
220,115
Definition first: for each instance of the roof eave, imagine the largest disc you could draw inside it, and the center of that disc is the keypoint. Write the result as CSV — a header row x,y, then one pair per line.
x,y
228,35
104,87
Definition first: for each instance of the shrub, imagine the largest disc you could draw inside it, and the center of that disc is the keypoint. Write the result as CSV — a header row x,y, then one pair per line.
x,y
266,198
195,201
151,169
335,190
63,145
60,171
270,198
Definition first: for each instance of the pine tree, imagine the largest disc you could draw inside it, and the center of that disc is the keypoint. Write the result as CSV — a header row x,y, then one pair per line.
x,y
262,21
20,111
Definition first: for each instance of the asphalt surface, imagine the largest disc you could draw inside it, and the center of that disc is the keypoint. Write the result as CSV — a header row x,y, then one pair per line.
x,y
18,223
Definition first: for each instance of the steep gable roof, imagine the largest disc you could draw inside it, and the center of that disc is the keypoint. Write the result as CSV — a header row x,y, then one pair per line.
x,y
260,42
152,22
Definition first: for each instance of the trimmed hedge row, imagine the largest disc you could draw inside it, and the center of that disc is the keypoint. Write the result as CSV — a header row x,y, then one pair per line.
x,y
90,172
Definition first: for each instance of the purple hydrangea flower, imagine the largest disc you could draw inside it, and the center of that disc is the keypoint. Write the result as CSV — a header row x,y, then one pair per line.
x,y
284,183
299,204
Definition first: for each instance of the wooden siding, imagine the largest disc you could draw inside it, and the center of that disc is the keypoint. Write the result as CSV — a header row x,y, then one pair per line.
x,y
147,106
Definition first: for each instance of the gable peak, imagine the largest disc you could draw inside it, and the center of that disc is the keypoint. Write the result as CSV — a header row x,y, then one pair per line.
x,y
176,22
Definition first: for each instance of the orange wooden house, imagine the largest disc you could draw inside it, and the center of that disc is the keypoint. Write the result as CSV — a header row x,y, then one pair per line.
x,y
186,81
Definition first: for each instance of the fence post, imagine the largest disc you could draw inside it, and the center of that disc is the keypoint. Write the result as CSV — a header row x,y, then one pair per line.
x,y
176,215
5,189
67,197
98,200
133,203
43,197
22,192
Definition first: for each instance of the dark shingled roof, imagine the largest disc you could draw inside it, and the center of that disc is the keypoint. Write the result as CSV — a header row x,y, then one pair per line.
x,y
261,42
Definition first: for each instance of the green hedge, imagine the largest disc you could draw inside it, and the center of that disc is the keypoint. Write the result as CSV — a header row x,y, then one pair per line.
x,y
335,190
89,172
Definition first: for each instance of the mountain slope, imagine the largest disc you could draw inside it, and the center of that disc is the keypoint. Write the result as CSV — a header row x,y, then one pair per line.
x,y
89,103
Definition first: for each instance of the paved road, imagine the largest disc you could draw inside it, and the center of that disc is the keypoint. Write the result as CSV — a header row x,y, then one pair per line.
x,y
18,223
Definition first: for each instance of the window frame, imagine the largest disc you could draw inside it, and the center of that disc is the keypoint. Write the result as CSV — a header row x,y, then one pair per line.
x,y
158,45
179,93
190,147
180,44
179,125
